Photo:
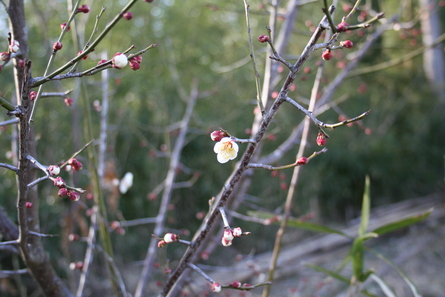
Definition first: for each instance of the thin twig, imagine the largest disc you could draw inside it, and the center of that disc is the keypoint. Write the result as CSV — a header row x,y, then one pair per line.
x,y
10,167
252,56
202,273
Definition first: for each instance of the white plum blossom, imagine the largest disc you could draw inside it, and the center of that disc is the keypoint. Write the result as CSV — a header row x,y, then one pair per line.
x,y
126,182
170,237
227,149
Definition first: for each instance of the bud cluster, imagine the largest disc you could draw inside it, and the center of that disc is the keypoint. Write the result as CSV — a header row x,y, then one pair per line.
x,y
168,238
230,234
135,62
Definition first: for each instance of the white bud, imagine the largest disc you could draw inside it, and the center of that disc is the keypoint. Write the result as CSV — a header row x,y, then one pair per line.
x,y
170,237
228,235
54,169
226,242
120,60
216,287
237,232
14,46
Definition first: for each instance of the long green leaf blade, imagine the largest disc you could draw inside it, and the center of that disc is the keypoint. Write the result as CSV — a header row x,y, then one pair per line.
x,y
402,223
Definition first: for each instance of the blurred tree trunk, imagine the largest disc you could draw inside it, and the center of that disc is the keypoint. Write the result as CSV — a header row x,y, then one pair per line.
x,y
433,59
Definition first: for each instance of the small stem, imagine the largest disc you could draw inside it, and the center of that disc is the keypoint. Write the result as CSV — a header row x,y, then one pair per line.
x,y
35,162
224,218
325,9
252,56
186,242
203,274
242,140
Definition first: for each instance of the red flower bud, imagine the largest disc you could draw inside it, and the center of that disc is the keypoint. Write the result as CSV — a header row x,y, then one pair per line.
x,y
347,44
62,192
326,55
263,38
302,161
135,65
83,8
235,284
76,165
342,27
73,195
57,46
128,15
28,204
162,243
321,139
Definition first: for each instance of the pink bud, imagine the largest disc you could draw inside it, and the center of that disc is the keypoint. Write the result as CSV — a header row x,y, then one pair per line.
x,y
263,38
62,192
302,161
137,59
347,44
59,182
68,101
63,26
84,9
76,165
161,243
235,284
32,95
57,46
218,135
134,65
321,139
73,195
101,62
216,287
128,15
28,204
4,56
342,27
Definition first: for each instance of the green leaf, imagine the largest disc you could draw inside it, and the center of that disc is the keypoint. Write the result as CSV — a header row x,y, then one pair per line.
x,y
366,205
399,271
296,223
402,223
329,272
